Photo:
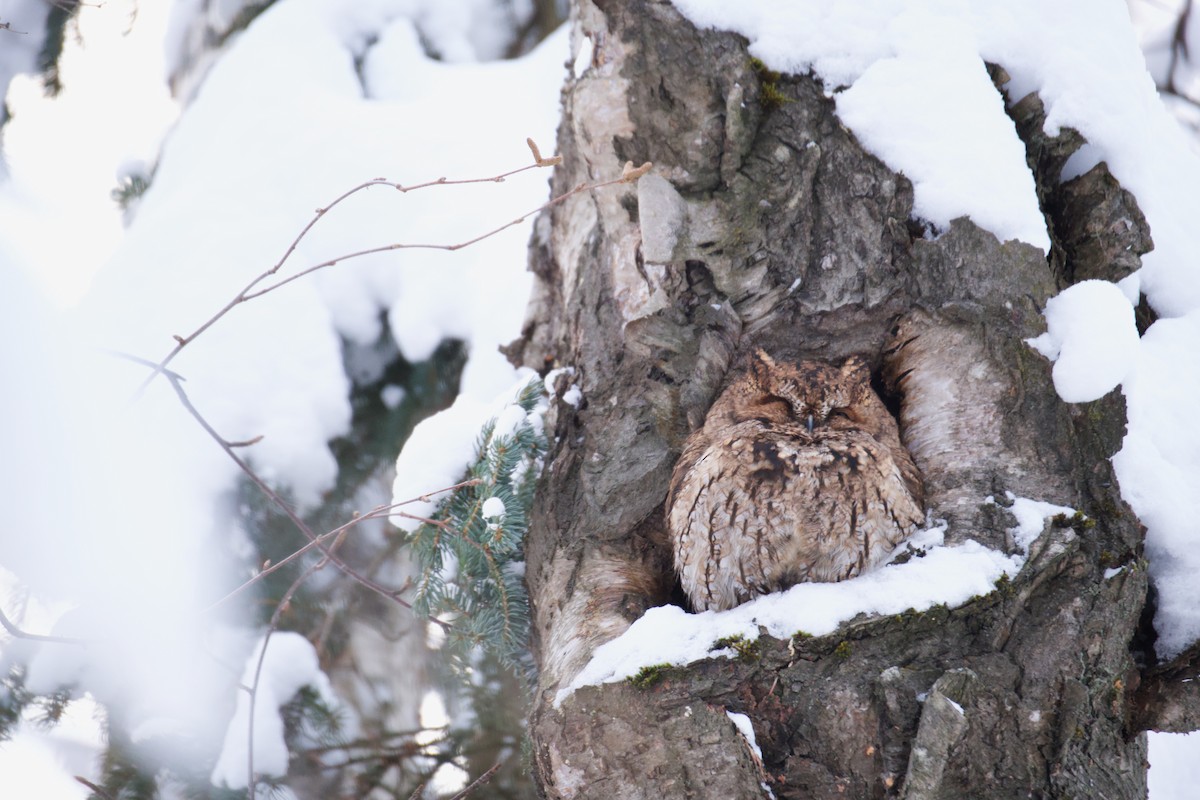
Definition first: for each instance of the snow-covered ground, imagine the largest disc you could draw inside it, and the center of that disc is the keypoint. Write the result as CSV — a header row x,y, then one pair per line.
x,y
117,501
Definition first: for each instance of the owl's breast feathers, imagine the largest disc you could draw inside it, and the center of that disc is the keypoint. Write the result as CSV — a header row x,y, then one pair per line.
x,y
764,505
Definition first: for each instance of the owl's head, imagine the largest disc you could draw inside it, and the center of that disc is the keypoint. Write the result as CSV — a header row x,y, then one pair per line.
x,y
815,394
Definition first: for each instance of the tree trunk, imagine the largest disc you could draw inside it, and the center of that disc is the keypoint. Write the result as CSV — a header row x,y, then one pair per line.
x,y
765,224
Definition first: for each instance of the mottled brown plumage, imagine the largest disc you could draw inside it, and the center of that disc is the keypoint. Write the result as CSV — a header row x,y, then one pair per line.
x,y
798,474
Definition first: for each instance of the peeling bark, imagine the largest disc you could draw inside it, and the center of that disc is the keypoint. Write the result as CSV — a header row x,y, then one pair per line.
x,y
775,229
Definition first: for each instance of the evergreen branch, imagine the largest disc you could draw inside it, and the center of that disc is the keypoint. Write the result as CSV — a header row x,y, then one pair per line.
x,y
486,597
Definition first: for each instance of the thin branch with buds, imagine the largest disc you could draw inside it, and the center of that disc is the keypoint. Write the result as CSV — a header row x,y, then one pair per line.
x,y
244,295
322,542
250,291
583,187
393,595
379,512
628,175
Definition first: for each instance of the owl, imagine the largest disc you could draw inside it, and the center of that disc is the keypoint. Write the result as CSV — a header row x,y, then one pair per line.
x,y
798,474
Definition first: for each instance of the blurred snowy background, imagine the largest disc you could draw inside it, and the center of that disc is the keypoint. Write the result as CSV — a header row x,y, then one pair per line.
x,y
184,147
171,152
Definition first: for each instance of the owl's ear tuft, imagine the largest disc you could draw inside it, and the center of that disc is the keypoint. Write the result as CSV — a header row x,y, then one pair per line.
x,y
761,368
855,368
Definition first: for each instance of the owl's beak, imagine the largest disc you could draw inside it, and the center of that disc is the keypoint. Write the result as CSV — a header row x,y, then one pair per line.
x,y
809,423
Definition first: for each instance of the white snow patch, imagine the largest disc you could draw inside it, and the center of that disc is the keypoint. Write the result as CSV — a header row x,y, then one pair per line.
x,y
509,420
392,396
436,456
573,396
746,729
1158,467
289,664
922,62
1031,518
38,761
943,575
940,146
493,508
1174,768
583,58
1092,339
670,635
442,447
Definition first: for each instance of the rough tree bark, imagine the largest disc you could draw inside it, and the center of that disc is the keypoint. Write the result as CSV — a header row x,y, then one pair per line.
x,y
766,224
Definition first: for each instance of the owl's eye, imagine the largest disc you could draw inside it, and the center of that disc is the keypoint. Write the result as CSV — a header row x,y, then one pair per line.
x,y
841,413
775,400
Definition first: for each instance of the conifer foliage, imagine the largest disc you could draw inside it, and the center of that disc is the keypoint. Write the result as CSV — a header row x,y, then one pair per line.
x,y
470,556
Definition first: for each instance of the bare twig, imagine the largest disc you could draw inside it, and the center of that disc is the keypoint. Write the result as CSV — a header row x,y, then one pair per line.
x,y
1178,52
71,5
583,187
437,523
145,362
552,161
379,512
262,653
11,627
480,781
392,595
248,292
96,790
